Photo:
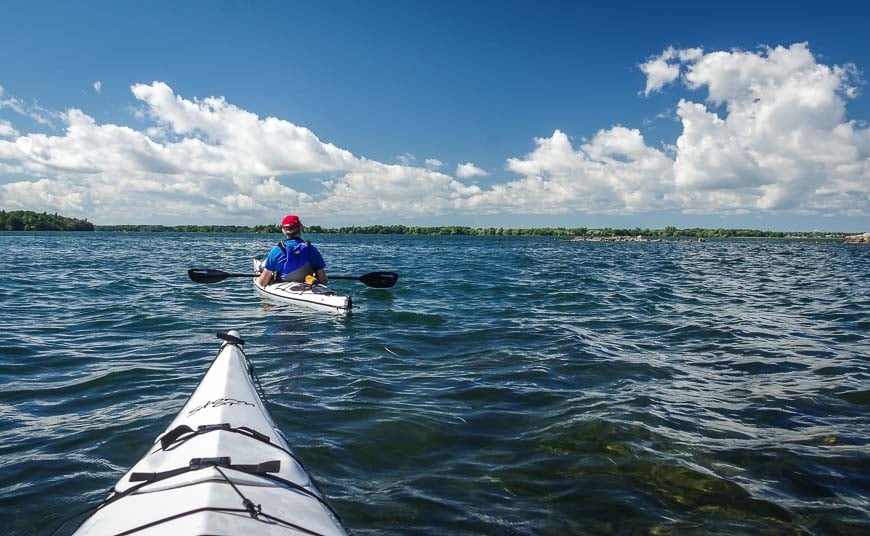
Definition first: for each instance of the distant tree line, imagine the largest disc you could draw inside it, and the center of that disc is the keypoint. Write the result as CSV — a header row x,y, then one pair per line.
x,y
271,228
22,220
443,230
26,220
667,232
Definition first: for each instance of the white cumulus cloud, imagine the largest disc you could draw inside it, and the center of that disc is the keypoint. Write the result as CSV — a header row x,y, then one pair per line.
x,y
406,159
771,136
98,86
219,138
469,170
614,172
6,129
782,141
666,67
206,160
399,191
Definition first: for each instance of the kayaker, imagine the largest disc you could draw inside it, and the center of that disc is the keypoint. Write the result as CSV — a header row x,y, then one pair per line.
x,y
293,258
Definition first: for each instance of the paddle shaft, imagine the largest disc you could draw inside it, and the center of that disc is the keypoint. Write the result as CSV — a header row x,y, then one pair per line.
x,y
373,279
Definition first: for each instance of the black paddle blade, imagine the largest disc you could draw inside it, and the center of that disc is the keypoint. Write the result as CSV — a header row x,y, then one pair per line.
x,y
208,275
380,279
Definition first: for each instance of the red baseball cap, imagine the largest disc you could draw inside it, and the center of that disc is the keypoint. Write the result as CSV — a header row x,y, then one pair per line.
x,y
291,221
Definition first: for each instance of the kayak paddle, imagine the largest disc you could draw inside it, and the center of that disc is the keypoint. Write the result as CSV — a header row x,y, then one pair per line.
x,y
208,275
373,279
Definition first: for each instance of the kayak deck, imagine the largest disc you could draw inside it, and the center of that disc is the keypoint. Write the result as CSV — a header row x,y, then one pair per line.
x,y
221,467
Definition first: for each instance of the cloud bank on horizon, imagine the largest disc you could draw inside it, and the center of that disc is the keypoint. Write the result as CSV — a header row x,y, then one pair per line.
x,y
770,136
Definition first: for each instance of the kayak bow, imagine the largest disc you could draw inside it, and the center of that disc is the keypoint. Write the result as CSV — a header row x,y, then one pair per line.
x,y
221,467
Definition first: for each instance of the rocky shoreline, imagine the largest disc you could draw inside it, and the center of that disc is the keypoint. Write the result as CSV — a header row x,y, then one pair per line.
x,y
848,239
638,238
857,239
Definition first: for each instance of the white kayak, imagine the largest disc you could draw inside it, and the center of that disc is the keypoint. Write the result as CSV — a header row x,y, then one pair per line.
x,y
222,467
318,297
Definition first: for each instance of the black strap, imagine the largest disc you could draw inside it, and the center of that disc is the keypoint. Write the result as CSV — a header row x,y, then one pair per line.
x,y
255,434
272,466
283,246
173,435
184,432
261,469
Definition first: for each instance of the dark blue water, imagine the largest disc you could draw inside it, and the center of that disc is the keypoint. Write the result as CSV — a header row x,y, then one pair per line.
x,y
504,386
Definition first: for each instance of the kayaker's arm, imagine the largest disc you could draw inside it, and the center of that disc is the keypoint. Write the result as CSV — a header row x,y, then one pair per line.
x,y
321,276
266,277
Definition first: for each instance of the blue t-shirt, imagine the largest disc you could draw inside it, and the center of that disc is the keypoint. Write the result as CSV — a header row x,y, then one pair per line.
x,y
275,260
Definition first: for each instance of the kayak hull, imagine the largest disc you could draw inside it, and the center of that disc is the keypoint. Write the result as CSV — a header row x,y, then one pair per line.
x,y
221,467
319,297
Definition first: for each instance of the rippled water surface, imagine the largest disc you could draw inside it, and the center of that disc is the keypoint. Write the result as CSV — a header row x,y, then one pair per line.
x,y
504,386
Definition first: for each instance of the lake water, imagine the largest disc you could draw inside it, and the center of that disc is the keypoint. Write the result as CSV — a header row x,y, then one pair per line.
x,y
518,385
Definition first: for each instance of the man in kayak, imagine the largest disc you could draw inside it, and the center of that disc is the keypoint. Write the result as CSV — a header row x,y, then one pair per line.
x,y
293,258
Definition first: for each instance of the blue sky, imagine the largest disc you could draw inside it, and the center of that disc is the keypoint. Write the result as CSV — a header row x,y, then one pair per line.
x,y
514,114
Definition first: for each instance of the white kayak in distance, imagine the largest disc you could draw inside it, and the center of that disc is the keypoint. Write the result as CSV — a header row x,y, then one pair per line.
x,y
221,467
319,297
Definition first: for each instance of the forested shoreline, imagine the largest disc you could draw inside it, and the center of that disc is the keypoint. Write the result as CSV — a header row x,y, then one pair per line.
x,y
667,232
22,220
271,228
25,220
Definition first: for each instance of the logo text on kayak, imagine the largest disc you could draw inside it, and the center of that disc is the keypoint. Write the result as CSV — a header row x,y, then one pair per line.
x,y
218,403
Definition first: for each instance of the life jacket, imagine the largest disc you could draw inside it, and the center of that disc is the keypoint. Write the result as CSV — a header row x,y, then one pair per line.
x,y
296,263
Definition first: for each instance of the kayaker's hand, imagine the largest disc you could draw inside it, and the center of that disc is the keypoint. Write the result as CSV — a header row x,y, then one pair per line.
x,y
265,278
321,277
